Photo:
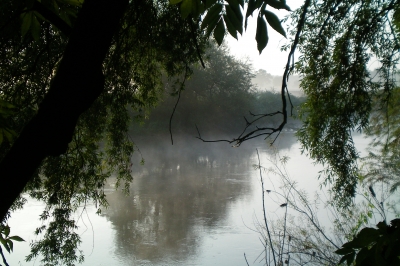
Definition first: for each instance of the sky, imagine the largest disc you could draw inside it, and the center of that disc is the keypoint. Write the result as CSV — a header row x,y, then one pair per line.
x,y
271,59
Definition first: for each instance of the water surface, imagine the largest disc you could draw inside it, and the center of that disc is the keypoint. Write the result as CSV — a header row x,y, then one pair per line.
x,y
192,203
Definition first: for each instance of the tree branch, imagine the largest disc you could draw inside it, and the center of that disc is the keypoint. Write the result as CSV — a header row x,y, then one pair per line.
x,y
268,131
3,257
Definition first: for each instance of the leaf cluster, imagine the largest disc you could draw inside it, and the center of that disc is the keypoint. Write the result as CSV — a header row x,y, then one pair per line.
x,y
382,162
61,13
228,16
340,39
6,240
374,246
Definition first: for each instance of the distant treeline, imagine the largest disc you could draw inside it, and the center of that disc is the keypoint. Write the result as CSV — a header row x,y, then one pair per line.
x,y
216,99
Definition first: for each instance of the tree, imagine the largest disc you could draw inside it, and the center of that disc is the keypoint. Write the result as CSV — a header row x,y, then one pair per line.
x,y
71,78
213,99
340,39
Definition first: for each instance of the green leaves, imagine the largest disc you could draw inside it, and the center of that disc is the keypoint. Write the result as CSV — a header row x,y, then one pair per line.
x,y
6,240
237,21
274,22
261,34
271,18
30,24
211,19
60,13
219,32
230,26
252,5
278,4
186,8
374,246
234,12
190,7
16,238
220,17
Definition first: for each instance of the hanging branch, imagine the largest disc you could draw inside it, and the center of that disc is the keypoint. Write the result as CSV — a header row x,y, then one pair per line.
x,y
268,131
177,102
195,42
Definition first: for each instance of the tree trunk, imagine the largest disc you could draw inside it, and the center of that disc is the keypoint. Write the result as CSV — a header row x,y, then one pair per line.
x,y
78,83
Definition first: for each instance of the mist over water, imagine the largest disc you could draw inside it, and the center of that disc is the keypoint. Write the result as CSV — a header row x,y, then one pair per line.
x,y
192,203
180,203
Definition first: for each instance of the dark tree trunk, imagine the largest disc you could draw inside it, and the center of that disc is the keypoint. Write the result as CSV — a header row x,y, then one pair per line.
x,y
78,83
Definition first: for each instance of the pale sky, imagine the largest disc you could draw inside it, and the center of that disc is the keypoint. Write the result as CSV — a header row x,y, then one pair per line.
x,y
271,59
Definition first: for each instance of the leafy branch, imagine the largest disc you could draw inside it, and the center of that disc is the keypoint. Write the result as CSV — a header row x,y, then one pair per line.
x,y
7,241
269,131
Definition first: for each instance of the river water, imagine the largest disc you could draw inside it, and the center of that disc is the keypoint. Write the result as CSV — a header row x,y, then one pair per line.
x,y
192,203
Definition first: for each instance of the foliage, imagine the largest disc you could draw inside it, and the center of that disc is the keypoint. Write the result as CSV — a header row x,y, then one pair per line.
x,y
374,246
218,94
222,16
340,40
7,241
60,242
215,100
311,230
383,161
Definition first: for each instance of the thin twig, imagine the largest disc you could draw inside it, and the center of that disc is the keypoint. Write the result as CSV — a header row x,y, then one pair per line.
x,y
87,215
260,131
246,259
263,202
195,43
176,104
285,221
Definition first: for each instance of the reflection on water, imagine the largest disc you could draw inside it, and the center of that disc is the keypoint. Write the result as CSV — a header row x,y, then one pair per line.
x,y
190,204
174,193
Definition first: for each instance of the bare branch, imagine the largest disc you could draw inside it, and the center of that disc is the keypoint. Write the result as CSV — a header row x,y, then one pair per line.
x,y
246,260
263,202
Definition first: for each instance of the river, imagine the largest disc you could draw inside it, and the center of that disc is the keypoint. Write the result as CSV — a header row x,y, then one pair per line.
x,y
192,203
